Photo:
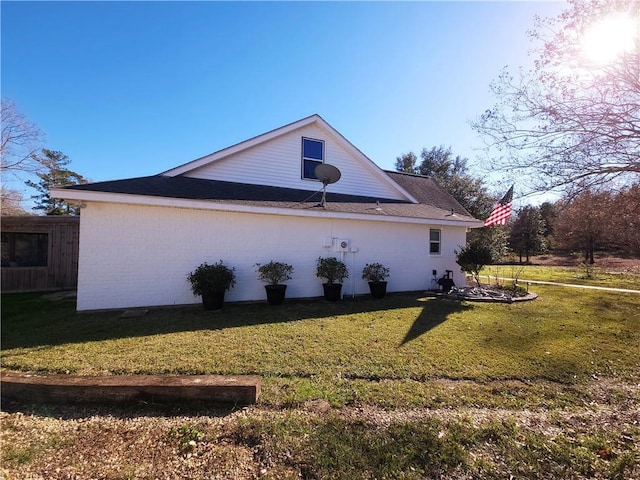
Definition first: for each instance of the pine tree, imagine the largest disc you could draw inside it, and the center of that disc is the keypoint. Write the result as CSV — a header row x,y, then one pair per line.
x,y
55,175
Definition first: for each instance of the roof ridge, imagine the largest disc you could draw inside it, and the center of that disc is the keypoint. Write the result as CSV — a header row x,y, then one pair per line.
x,y
419,175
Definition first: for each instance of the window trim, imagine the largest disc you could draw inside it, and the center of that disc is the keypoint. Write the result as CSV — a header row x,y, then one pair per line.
x,y
309,159
435,242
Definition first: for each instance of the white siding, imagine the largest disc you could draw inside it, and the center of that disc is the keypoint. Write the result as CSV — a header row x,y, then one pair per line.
x,y
133,256
278,162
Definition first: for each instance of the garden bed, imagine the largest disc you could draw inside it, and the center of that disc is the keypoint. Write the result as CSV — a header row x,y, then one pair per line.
x,y
490,294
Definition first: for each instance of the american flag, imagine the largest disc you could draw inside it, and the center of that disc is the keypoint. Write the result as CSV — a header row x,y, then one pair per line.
x,y
502,212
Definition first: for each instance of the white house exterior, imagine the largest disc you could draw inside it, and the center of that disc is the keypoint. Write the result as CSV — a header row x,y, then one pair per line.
x,y
250,203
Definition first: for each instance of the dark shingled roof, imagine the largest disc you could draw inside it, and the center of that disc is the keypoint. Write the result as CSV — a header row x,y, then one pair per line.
x,y
426,190
268,196
202,189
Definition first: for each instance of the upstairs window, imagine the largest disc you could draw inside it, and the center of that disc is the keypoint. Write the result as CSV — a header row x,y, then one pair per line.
x,y
312,156
434,241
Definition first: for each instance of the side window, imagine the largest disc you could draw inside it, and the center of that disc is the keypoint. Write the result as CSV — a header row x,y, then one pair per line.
x,y
312,156
25,249
434,241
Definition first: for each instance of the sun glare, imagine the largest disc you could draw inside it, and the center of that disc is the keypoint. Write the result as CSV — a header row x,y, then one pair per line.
x,y
609,38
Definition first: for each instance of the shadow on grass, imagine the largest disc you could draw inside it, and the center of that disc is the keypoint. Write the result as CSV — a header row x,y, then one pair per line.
x,y
29,321
135,409
432,316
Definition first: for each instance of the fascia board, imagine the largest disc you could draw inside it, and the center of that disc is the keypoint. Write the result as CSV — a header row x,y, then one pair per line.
x,y
104,197
239,147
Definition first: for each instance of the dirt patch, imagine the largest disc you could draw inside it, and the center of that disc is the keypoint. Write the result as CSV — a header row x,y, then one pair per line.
x,y
65,442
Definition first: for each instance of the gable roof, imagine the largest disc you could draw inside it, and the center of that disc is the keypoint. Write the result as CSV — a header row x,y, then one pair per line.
x,y
315,119
416,199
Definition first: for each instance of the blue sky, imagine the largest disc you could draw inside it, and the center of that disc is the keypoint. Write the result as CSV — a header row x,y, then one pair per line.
x,y
129,89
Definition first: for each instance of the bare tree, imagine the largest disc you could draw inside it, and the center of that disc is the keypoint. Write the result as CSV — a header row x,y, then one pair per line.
x,y
11,202
21,140
569,124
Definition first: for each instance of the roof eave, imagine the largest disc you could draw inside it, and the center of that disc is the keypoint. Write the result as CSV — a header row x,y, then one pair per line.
x,y
150,200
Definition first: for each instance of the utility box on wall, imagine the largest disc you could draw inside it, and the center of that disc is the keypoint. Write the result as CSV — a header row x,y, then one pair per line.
x,y
342,245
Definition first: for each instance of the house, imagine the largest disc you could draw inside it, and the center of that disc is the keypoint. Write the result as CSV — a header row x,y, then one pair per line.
x,y
256,201
39,253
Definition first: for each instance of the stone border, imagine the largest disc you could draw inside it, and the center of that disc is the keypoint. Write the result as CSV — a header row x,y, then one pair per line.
x,y
236,389
526,298
449,296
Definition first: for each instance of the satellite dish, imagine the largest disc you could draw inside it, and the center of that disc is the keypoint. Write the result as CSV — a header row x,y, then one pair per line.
x,y
327,174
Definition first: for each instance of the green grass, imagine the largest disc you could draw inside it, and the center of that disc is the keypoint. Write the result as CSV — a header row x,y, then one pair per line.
x,y
404,350
595,276
366,358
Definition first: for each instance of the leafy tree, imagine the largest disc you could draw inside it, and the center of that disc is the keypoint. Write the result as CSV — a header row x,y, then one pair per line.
x,y
548,213
527,232
406,163
55,175
472,258
494,239
583,223
569,123
607,221
624,233
452,174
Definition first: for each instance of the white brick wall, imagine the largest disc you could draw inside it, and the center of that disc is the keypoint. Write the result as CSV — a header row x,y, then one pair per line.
x,y
132,256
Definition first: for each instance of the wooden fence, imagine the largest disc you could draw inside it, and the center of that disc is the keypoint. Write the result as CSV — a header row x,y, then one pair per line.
x,y
39,253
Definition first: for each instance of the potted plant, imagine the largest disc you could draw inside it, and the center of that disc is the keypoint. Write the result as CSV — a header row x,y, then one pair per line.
x,y
211,282
335,272
376,274
273,274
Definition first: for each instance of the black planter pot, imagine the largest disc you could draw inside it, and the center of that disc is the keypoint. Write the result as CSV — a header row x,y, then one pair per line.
x,y
378,289
275,294
332,291
213,300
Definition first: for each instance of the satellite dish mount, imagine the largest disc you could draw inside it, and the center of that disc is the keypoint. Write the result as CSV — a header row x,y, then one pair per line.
x,y
327,174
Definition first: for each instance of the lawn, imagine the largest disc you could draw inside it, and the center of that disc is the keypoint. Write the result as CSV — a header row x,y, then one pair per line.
x,y
380,352
596,275
455,377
